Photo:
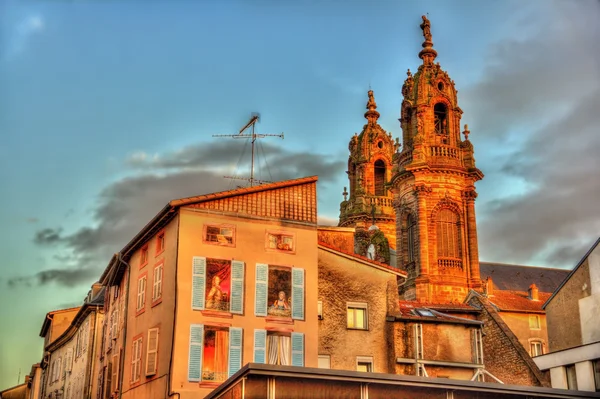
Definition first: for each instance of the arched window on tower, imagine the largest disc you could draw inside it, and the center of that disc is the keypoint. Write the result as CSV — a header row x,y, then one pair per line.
x,y
379,178
448,238
440,113
411,235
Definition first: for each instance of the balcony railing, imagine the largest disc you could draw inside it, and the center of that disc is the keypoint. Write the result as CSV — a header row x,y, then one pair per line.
x,y
450,263
216,376
379,201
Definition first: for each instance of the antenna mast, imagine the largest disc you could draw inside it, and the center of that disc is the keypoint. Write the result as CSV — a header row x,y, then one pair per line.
x,y
252,136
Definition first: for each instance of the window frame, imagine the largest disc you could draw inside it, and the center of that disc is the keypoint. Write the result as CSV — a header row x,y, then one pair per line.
x,y
140,308
280,234
358,306
160,242
136,362
537,325
365,360
324,357
535,343
231,227
144,256
157,293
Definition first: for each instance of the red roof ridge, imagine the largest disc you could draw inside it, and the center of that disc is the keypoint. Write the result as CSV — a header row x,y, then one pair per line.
x,y
241,191
363,258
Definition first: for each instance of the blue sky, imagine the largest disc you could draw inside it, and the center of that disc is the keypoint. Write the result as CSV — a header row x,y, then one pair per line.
x,y
107,111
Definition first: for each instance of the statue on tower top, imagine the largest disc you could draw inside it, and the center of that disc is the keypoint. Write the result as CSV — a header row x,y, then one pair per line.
x,y
426,27
371,104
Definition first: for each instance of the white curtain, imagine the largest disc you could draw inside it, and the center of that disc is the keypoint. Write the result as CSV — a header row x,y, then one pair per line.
x,y
279,349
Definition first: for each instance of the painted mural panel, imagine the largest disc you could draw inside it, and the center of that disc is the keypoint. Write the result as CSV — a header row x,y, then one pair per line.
x,y
218,276
280,288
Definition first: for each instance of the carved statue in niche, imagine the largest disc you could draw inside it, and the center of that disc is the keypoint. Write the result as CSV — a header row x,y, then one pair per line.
x,y
408,85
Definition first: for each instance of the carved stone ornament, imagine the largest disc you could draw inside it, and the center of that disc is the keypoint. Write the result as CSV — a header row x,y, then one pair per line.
x,y
469,194
422,189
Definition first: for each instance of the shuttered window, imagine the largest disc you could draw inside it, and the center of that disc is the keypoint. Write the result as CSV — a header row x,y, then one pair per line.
x,y
141,293
198,282
152,352
114,378
279,348
136,360
272,298
216,300
157,283
215,353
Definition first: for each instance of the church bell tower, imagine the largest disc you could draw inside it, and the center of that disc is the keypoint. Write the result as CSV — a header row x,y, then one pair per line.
x,y
434,188
369,173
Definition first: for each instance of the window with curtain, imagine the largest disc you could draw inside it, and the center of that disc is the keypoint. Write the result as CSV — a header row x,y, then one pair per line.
x,y
279,349
215,354
448,234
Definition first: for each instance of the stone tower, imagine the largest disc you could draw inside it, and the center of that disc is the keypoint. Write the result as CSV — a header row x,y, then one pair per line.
x,y
369,174
434,188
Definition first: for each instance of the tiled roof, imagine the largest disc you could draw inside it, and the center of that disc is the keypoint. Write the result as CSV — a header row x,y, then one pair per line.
x,y
242,191
506,300
410,310
365,259
519,278
447,307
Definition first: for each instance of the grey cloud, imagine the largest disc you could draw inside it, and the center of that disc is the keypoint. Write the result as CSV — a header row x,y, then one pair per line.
x,y
32,220
47,236
551,81
125,206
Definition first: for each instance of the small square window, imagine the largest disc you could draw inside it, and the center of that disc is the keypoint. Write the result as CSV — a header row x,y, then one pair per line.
x,y
219,235
364,364
534,322
324,362
357,316
281,241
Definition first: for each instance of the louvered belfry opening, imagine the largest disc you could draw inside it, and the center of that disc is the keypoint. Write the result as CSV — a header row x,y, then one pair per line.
x,y
440,113
448,237
379,178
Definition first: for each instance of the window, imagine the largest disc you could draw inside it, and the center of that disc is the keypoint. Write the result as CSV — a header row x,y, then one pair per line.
x,y
215,352
320,310
280,241
596,370
379,171
144,256
278,347
157,283
324,362
218,285
357,316
364,363
478,347
114,323
571,377
440,118
114,378
448,238
136,360
534,322
220,235
411,234
160,242
152,352
141,294
536,348
279,291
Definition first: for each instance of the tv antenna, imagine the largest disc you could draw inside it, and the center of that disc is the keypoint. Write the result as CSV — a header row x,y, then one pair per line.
x,y
253,136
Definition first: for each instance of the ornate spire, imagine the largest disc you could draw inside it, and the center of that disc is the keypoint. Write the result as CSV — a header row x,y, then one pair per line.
x,y
428,54
372,115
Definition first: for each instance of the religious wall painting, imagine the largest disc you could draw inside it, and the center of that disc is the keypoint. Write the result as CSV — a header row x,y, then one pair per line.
x,y
218,278
280,241
280,289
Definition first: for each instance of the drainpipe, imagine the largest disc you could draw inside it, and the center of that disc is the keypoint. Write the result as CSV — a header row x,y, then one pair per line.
x,y
170,392
91,360
122,356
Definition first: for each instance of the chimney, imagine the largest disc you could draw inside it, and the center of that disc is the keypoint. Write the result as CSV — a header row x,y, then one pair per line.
x,y
488,287
533,292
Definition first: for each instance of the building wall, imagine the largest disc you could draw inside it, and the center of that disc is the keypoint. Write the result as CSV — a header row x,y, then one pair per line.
x,y
249,247
157,313
589,306
337,237
563,313
343,280
441,342
61,320
36,380
59,359
519,324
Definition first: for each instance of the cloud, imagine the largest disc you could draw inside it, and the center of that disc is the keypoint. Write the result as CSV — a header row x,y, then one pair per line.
x,y
22,33
32,220
327,221
125,206
551,81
